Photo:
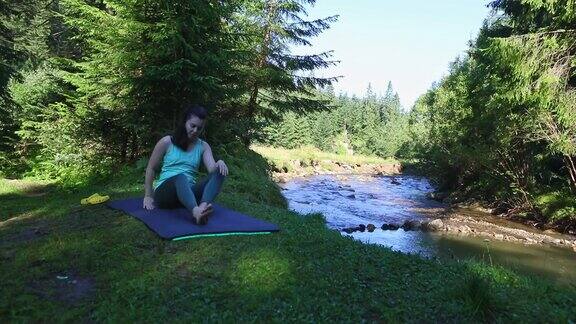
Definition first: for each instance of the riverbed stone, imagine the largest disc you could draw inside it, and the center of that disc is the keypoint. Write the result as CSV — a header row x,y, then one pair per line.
x,y
438,196
434,225
348,230
361,227
464,229
370,228
411,225
389,227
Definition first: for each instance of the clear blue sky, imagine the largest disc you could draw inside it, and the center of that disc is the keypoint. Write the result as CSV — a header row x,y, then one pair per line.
x,y
410,42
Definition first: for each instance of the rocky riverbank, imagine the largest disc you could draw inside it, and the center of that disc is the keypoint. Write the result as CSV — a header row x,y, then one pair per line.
x,y
300,168
455,219
470,222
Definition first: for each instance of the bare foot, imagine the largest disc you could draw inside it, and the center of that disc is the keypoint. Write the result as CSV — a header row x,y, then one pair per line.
x,y
198,216
200,213
207,208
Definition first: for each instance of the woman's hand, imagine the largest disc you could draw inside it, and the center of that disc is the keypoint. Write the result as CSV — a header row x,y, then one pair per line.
x,y
222,168
148,203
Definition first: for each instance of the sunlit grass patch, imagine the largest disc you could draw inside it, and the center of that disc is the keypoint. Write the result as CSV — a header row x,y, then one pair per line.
x,y
24,187
557,205
307,154
261,272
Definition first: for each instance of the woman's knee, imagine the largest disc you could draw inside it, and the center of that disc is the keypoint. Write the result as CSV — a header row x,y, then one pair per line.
x,y
217,175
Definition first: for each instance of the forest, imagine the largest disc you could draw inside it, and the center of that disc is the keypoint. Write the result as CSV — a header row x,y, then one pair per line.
x,y
499,128
89,84
87,87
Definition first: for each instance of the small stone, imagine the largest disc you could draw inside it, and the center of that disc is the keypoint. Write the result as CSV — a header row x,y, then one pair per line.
x,y
434,225
463,229
348,230
361,227
499,236
391,227
438,196
411,225
370,228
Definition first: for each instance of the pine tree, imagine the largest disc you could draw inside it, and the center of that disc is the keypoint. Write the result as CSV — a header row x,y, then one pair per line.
x,y
16,20
145,60
277,80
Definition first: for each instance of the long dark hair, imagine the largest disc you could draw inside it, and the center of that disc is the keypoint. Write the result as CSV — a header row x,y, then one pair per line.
x,y
180,137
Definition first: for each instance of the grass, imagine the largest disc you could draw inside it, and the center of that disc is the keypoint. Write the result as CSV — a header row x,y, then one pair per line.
x,y
60,260
556,206
280,157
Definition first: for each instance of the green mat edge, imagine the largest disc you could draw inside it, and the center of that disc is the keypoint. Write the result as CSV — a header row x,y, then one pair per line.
x,y
218,234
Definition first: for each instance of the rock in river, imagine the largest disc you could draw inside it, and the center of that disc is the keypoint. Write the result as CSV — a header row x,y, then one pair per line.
x,y
349,230
435,225
411,225
391,227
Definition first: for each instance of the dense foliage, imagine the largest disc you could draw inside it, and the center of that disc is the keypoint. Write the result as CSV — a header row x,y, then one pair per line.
x,y
502,125
90,83
372,125
86,85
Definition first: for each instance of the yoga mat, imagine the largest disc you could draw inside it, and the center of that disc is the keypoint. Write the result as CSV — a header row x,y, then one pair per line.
x,y
175,224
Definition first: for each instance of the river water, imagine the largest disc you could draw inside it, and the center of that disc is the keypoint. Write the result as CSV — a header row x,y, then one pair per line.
x,y
349,200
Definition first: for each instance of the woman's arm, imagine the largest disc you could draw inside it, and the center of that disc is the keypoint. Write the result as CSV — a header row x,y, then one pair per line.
x,y
212,165
153,165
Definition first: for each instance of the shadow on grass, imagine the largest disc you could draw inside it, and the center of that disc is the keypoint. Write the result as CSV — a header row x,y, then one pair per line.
x,y
304,273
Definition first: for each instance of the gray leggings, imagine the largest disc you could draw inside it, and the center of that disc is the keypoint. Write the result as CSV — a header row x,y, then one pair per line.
x,y
177,192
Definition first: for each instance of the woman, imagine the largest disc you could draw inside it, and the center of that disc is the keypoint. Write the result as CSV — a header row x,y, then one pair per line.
x,y
180,155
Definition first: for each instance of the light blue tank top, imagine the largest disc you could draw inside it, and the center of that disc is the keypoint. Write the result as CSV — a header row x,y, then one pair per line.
x,y
177,161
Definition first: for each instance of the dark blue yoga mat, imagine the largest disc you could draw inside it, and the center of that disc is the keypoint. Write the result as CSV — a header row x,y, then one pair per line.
x,y
174,224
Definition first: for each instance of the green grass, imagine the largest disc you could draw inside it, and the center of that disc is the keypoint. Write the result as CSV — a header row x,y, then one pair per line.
x,y
556,206
306,272
281,157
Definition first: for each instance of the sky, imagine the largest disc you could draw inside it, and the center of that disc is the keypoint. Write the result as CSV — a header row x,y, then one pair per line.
x,y
409,42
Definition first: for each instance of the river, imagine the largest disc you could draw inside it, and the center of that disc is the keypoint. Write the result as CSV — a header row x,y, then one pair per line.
x,y
349,200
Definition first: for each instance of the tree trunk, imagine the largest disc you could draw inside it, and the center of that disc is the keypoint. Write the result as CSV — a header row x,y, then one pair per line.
x,y
251,110
571,166
133,146
124,148
260,63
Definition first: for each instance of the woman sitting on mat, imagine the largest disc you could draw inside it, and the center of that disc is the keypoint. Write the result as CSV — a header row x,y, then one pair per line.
x,y
180,157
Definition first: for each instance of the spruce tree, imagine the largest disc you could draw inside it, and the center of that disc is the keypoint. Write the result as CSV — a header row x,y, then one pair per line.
x,y
279,81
